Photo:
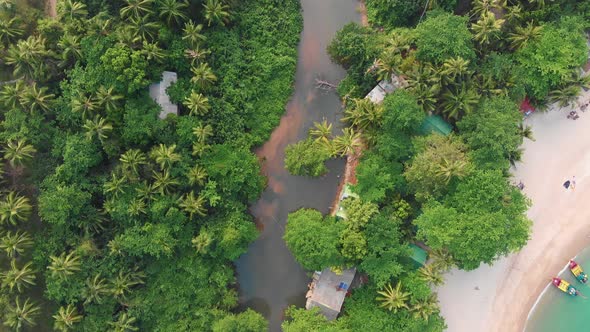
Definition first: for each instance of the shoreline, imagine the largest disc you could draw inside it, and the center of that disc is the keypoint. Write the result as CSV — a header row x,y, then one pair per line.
x,y
511,287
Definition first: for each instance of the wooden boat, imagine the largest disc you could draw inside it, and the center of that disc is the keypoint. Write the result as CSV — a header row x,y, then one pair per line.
x,y
578,272
565,286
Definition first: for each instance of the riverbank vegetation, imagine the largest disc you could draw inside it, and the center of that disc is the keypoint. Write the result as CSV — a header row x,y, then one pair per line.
x,y
113,219
471,64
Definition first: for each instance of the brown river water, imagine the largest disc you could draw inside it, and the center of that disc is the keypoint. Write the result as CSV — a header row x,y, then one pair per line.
x,y
269,277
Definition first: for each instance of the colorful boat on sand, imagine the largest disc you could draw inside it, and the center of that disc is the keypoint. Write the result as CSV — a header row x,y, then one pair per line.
x,y
565,286
578,272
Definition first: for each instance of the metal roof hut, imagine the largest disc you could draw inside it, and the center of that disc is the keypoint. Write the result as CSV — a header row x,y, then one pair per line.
x,y
435,123
159,95
328,290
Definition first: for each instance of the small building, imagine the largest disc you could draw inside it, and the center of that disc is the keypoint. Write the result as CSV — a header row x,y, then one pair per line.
x,y
419,256
435,124
159,95
327,291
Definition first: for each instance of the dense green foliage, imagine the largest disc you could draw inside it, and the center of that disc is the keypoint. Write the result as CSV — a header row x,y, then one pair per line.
x,y
121,220
451,194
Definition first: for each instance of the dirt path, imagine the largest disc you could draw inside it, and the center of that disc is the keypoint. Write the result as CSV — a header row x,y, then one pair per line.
x,y
506,291
363,11
51,7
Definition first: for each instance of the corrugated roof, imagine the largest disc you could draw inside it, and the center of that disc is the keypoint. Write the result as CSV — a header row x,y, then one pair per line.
x,y
159,95
435,123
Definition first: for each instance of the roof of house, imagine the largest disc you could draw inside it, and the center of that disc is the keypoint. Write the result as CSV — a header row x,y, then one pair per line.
x,y
419,255
328,290
435,123
159,95
378,93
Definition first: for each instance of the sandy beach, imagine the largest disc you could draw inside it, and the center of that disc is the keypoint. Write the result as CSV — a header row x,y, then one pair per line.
x,y
499,297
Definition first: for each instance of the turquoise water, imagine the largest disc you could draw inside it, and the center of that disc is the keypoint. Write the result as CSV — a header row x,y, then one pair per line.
x,y
557,311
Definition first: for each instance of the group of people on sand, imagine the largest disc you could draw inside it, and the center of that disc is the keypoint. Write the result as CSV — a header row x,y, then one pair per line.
x,y
570,184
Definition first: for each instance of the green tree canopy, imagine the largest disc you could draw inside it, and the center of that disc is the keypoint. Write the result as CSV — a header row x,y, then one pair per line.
x,y
443,36
313,240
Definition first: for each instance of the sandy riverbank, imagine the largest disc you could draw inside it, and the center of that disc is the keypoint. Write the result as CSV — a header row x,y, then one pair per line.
x,y
499,298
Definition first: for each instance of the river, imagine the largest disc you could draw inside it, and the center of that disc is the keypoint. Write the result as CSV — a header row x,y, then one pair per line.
x,y
269,277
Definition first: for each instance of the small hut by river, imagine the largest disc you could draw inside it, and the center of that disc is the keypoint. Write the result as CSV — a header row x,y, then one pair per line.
x,y
327,291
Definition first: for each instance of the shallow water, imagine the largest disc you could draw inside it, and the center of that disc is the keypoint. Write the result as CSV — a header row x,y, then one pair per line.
x,y
269,277
555,311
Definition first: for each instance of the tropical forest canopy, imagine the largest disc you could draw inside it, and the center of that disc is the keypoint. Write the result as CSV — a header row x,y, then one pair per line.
x,y
471,64
111,218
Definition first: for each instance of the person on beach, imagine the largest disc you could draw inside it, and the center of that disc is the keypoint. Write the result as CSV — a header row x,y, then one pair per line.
x,y
573,184
566,184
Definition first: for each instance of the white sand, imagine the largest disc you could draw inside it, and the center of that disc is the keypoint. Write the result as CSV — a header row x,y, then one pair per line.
x,y
508,290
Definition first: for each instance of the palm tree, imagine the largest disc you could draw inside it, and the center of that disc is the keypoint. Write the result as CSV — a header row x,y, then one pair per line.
x,y
19,278
96,289
136,8
430,274
165,156
426,96
9,31
132,160
192,34
71,10
202,133
442,259
124,323
143,27
107,99
480,7
200,147
202,242
216,12
164,182
136,207
193,205
63,266
203,75
363,114
487,28
565,95
11,94
121,285
152,51
448,169
513,13
526,131
27,57
35,98
459,102
126,36
197,104
115,186
172,10
71,50
18,152
84,104
196,54
66,318
14,208
97,127
425,308
454,68
393,299
196,175
100,24
15,244
146,191
347,143
321,131
523,35
386,66
20,315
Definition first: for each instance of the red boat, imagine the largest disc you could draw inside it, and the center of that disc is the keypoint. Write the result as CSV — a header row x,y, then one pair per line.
x,y
565,286
578,272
